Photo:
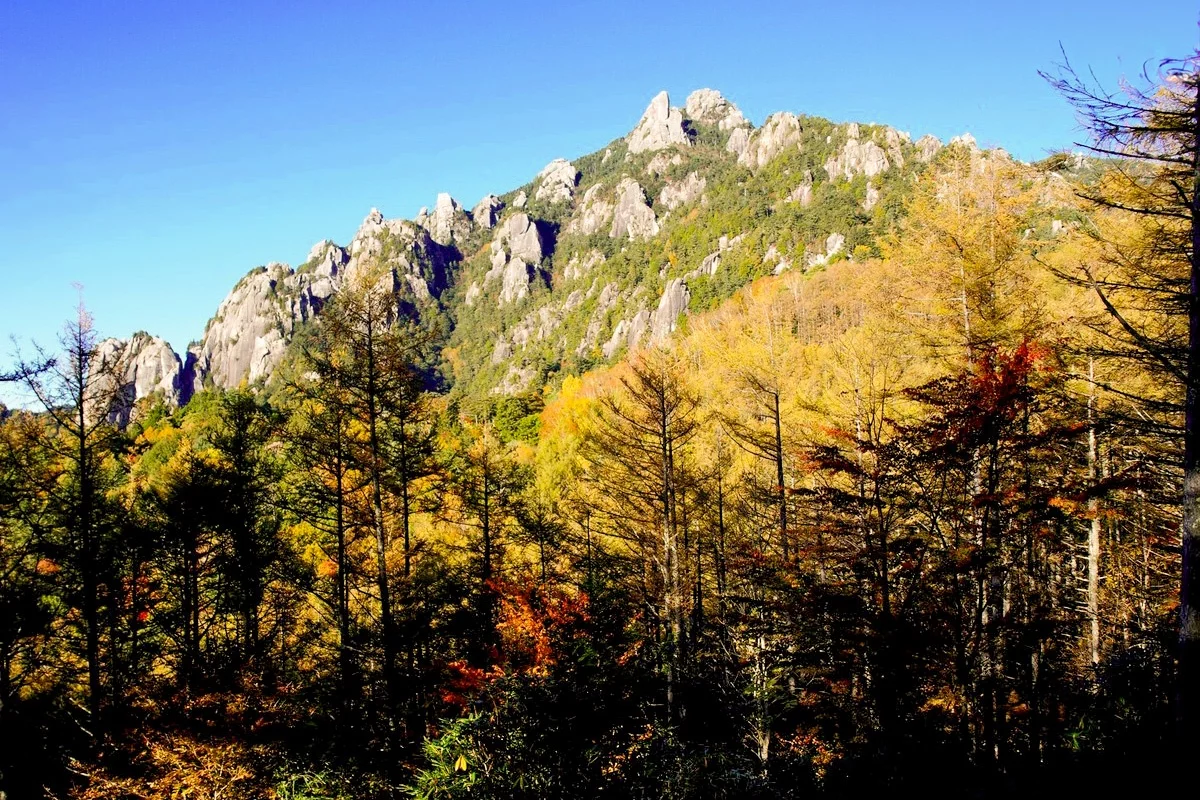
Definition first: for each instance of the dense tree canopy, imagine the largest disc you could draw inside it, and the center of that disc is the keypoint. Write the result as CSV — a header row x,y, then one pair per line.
x,y
907,520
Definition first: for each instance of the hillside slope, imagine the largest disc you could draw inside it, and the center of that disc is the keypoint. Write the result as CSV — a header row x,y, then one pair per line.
x,y
591,258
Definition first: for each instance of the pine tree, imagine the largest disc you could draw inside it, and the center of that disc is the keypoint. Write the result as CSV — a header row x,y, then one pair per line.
x,y
1149,281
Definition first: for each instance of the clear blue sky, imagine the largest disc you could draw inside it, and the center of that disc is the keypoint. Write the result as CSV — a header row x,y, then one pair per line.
x,y
156,151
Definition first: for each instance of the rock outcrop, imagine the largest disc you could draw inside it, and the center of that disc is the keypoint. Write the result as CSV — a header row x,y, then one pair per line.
x,y
448,224
632,217
520,236
594,212
487,212
780,132
663,162
135,368
857,158
605,303
557,182
871,198
833,245
709,107
516,251
661,126
802,194
579,267
517,277
247,338
674,301
738,142
250,333
928,147
682,192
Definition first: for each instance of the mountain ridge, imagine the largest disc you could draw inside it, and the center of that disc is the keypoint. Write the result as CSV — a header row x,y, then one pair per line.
x,y
533,249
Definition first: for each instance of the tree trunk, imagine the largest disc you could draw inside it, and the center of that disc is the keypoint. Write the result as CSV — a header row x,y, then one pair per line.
x,y
1093,560
1189,589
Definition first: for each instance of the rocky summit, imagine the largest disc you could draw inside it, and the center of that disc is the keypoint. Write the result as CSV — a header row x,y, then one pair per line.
x,y
593,257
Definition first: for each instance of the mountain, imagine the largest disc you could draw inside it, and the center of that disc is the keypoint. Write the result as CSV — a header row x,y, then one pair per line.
x,y
591,258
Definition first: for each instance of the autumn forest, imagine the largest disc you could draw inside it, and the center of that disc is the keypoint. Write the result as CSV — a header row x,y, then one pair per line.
x,y
914,518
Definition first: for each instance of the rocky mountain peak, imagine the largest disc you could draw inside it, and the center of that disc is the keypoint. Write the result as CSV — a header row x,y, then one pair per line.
x,y
487,211
369,229
448,223
661,126
556,181
778,133
137,367
710,107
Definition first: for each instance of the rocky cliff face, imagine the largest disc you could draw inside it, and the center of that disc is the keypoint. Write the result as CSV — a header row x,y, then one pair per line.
x,y
138,367
592,257
661,126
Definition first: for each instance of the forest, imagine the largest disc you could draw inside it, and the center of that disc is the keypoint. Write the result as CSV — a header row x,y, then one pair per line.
x,y
916,519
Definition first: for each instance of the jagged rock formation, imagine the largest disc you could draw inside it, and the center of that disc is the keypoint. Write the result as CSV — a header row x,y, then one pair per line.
x,y
248,336
777,134
688,190
708,106
674,301
865,158
487,213
515,252
449,223
253,326
661,126
594,214
632,217
138,367
928,147
560,270
557,181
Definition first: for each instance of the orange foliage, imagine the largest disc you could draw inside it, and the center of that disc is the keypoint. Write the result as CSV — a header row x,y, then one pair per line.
x,y
533,620
464,682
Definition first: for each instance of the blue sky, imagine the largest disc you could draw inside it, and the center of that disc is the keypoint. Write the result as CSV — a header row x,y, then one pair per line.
x,y
155,152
